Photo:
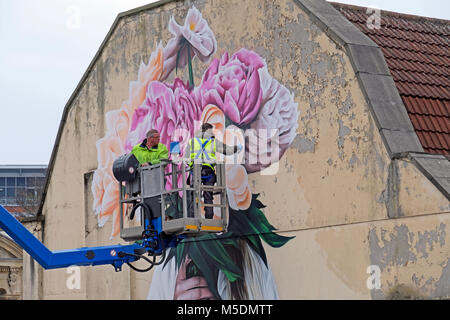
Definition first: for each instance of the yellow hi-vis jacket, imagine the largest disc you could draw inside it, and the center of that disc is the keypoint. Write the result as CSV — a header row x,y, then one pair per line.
x,y
152,155
203,150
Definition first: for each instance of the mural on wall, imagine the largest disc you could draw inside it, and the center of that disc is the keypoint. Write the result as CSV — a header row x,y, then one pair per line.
x,y
244,103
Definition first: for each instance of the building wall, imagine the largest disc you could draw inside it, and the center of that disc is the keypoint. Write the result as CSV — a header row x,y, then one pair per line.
x,y
20,275
10,269
335,188
32,274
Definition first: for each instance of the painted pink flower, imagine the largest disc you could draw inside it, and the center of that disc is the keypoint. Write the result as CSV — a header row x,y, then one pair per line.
x,y
199,36
184,118
275,126
104,186
168,108
233,84
141,123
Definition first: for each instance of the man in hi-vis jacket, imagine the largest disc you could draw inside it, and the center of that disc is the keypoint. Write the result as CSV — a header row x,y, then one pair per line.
x,y
202,148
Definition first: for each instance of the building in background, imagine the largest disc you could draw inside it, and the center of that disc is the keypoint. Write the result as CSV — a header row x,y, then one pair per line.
x,y
20,191
11,268
21,187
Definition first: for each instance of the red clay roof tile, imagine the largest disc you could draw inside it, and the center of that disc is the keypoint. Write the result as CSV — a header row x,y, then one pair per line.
x,y
417,52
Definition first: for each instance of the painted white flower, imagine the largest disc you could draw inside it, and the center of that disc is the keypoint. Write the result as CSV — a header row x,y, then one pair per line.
x,y
275,126
197,33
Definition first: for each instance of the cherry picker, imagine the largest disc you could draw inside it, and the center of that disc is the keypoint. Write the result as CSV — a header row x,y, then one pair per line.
x,y
150,232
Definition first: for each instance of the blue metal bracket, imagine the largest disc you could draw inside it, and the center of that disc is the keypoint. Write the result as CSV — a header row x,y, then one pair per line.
x,y
87,256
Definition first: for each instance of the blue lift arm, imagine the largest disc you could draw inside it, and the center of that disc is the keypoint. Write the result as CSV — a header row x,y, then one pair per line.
x,y
115,255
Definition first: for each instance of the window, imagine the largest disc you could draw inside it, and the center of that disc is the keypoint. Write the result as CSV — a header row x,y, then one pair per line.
x,y
10,192
2,194
11,196
31,181
21,186
21,182
21,193
11,181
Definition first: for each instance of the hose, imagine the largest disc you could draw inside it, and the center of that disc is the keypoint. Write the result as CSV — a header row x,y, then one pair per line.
x,y
123,254
147,214
163,256
152,263
137,205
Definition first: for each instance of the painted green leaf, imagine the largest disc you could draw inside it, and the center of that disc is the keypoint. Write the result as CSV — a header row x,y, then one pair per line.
x,y
209,251
191,73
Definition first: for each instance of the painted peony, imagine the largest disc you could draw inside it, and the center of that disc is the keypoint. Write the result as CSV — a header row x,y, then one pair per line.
x,y
279,110
237,95
104,186
147,73
168,108
233,84
274,128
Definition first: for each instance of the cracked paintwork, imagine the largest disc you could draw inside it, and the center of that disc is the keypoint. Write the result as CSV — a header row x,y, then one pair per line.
x,y
337,191
414,255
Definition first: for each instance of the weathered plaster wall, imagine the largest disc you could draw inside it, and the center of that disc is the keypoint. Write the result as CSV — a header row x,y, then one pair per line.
x,y
336,176
414,194
411,253
341,168
32,272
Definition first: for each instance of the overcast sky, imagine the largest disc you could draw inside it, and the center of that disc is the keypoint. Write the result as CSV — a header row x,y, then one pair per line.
x,y
46,46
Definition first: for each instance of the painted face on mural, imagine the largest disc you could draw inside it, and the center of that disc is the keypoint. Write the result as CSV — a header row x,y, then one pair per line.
x,y
236,94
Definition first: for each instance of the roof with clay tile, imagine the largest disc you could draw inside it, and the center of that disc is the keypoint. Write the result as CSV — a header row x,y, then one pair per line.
x,y
417,52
